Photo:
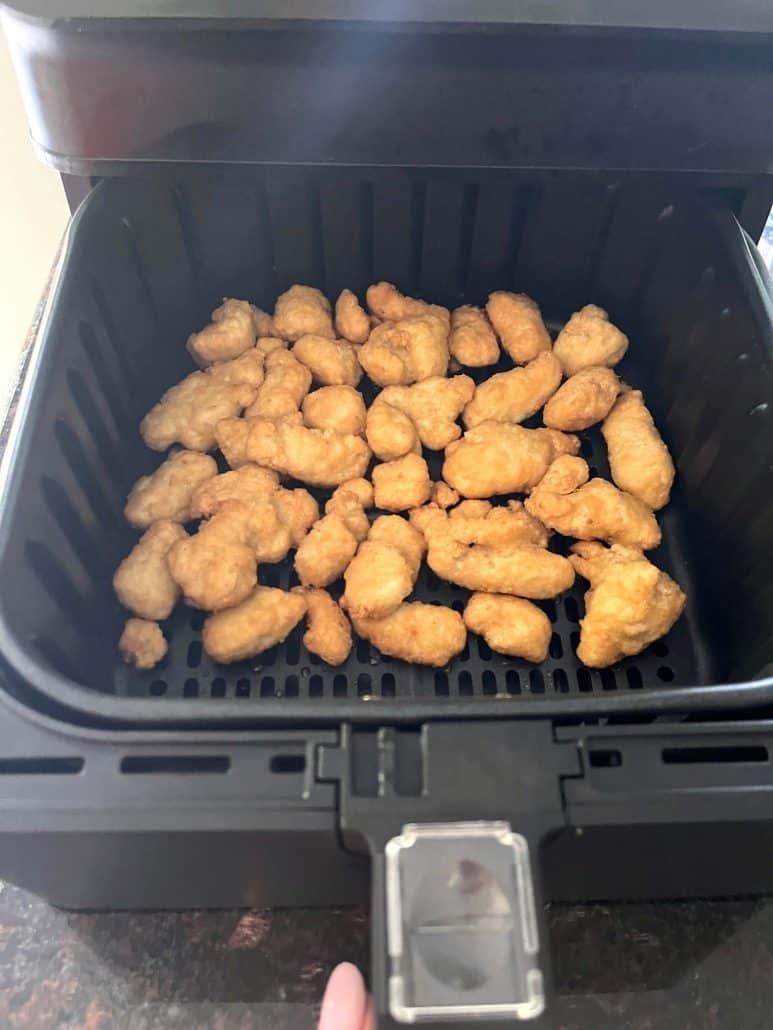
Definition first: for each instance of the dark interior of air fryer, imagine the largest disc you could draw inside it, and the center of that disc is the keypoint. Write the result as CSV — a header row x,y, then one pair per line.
x,y
152,257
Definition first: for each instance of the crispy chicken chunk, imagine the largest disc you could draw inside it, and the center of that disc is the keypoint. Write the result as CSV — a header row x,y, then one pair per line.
x,y
340,408
188,412
264,618
300,311
315,456
406,351
230,333
389,305
390,432
589,339
471,509
142,582
638,458
510,625
518,324
495,527
566,502
167,493
331,362
351,319
286,384
329,634
249,483
325,552
584,399
443,495
142,643
472,341
401,484
517,395
384,570
630,603
216,568
433,406
349,501
499,458
427,634
267,344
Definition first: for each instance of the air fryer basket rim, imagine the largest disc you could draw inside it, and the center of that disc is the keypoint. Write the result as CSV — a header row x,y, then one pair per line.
x,y
23,678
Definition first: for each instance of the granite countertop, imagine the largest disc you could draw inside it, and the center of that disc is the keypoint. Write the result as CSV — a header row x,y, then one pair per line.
x,y
697,965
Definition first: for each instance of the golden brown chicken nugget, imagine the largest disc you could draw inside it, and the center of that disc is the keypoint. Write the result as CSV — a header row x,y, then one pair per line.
x,y
426,634
518,323
389,305
216,567
142,643
568,503
351,320
401,484
406,351
589,339
329,634
510,625
500,458
443,495
400,534
142,582
377,579
325,552
390,433
331,362
517,395
639,460
350,500
527,570
265,618
471,509
286,383
267,344
167,493
297,510
230,333
303,310
188,412
433,405
472,341
583,400
340,408
630,603
319,457
496,527
249,483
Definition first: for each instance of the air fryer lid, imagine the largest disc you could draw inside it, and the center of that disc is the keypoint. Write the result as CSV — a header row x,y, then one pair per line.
x,y
589,86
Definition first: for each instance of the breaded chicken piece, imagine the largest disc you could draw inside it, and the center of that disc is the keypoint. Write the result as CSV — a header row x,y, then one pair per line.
x,y
443,495
389,305
142,643
188,412
249,483
433,405
142,582
230,333
350,500
340,408
267,344
390,432
297,510
426,634
319,457
216,568
639,460
589,339
331,362
351,320
384,570
329,634
286,384
325,552
264,618
406,351
472,341
499,458
496,527
583,400
509,625
630,603
471,509
301,311
518,323
566,502
401,484
167,493
517,395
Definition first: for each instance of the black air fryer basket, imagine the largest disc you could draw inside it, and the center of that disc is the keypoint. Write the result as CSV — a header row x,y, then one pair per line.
x,y
610,162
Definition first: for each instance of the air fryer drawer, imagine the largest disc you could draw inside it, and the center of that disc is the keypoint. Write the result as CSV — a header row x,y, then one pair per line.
x,y
145,262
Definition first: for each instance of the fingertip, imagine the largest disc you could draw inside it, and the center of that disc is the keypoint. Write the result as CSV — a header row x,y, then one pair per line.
x,y
344,1004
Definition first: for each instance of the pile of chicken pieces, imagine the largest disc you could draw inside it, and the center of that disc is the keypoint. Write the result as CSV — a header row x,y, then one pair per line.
x,y
278,396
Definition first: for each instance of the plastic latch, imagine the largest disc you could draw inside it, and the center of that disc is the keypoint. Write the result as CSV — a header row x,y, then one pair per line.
x,y
461,924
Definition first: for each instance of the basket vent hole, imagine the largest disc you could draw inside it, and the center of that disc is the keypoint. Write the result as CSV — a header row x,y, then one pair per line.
x,y
561,681
465,684
218,687
363,685
666,674
363,650
288,763
243,687
584,681
484,651
556,647
512,682
292,686
660,649
441,684
196,621
606,759
158,688
572,611
267,686
194,654
549,608
191,688
316,686
608,681
388,685
340,686
536,682
489,682
635,681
